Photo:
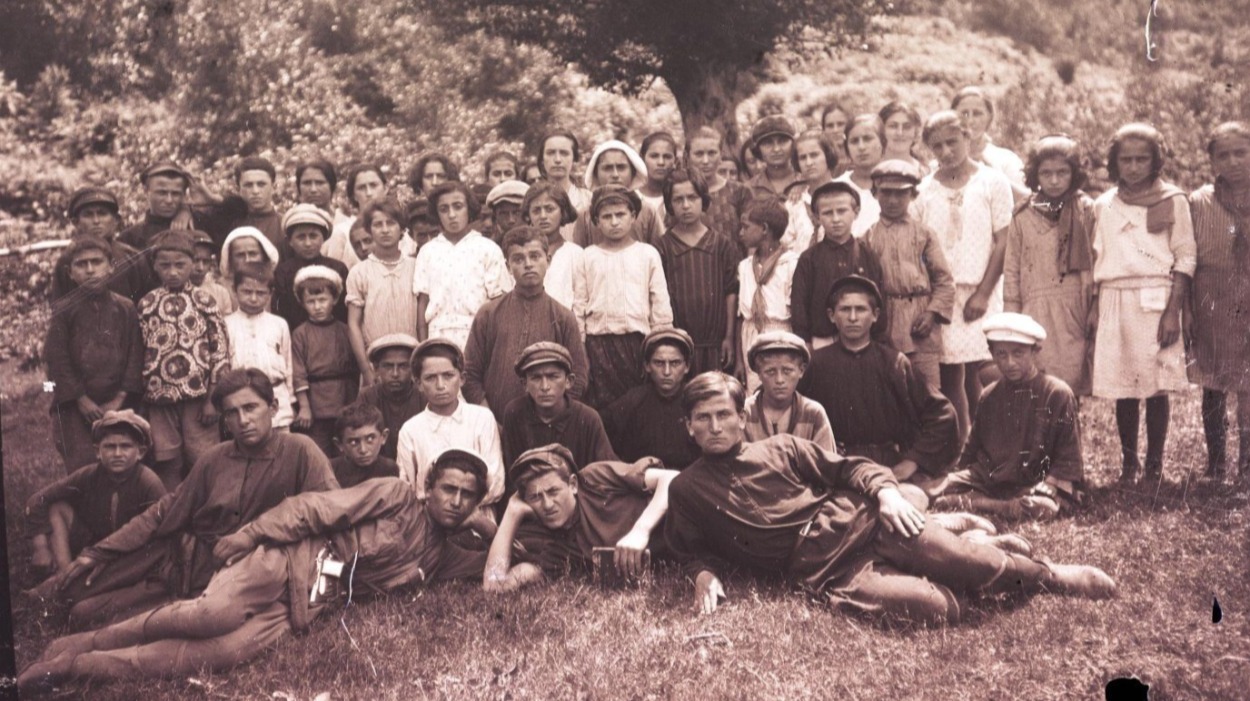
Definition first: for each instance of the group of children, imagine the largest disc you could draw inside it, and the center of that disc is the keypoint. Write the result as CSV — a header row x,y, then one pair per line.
x,y
856,301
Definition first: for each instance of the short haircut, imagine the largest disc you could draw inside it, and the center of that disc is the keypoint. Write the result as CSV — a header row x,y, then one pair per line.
x,y
418,358
358,415
776,352
87,242
355,172
770,213
609,194
974,91
544,188
1055,147
1226,130
475,207
417,174
388,206
463,464
255,163
536,469
315,285
706,132
829,109
419,212
500,155
258,272
1136,130
710,385
522,236
321,164
542,146
683,175
939,121
866,119
657,136
831,154
239,379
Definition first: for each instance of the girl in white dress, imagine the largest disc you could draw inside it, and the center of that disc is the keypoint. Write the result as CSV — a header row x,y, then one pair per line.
x,y
968,205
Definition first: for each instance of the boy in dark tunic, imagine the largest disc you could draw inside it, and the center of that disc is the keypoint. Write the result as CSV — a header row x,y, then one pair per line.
x,y
559,515
838,527
395,393
878,406
359,433
1023,456
547,414
647,421
83,507
94,212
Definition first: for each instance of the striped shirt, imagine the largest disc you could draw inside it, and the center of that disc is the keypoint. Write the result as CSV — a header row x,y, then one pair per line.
x,y
1221,294
621,291
384,292
700,278
805,419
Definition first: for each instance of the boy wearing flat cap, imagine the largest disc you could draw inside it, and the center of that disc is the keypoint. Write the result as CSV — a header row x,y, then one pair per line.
x,y
395,393
559,515
507,325
648,420
1023,456
94,212
165,185
878,407
780,359
916,281
93,501
546,413
93,350
307,227
834,207
504,203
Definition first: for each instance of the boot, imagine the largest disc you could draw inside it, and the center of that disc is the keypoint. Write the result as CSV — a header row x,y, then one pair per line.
x,y
962,522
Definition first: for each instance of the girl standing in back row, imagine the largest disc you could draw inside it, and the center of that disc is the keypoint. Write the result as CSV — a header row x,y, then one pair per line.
x,y
1145,256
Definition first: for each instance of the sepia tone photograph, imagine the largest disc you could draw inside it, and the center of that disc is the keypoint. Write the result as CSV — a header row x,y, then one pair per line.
x,y
712,349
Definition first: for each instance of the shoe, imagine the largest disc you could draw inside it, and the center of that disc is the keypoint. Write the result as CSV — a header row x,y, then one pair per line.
x,y
1129,469
1080,580
962,521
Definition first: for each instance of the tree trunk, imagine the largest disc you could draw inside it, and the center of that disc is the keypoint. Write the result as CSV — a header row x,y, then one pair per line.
x,y
709,95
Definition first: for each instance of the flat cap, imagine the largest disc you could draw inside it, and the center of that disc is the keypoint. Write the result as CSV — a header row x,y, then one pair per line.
x,y
614,193
305,213
430,344
462,454
553,454
772,124
669,334
173,240
202,238
1013,328
124,417
542,353
895,174
858,283
390,340
507,191
777,341
84,196
318,272
164,168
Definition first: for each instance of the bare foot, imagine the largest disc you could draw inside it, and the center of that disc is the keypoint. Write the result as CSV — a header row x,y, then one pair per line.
x,y
1081,580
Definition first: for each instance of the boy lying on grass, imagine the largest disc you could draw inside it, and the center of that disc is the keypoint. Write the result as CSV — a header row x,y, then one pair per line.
x,y
559,515
283,570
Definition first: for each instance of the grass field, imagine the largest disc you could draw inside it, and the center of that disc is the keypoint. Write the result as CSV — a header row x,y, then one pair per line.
x,y
1171,548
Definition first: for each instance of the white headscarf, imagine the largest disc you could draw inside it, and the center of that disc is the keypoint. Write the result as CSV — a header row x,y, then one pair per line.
x,y
251,232
640,167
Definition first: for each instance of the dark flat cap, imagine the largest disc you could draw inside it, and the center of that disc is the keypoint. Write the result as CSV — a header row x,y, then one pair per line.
x,y
84,196
543,353
124,417
552,454
772,124
669,334
838,186
164,168
858,283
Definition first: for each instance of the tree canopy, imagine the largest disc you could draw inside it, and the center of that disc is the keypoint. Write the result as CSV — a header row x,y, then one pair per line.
x,y
710,53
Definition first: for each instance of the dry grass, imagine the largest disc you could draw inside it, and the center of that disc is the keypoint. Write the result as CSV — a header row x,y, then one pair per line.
x,y
1172,550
